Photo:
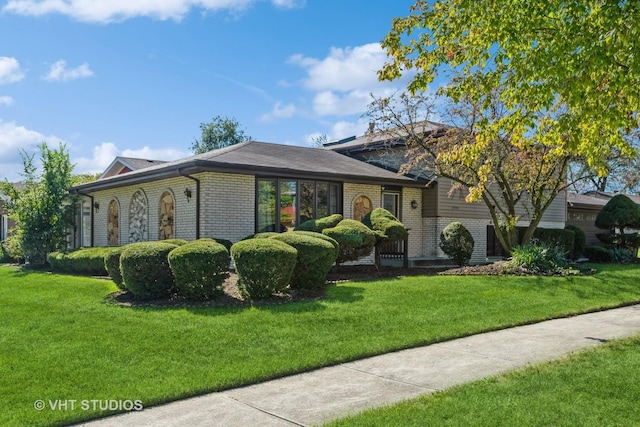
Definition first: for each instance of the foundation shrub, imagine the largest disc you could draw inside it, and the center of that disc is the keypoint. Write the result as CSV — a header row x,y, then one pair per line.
x,y
597,253
145,269
85,261
457,242
317,225
199,269
264,266
579,240
112,265
355,239
315,258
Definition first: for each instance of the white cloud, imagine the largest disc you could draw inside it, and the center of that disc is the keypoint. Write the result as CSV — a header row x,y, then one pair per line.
x,y
121,10
279,111
343,69
59,72
344,129
6,100
106,152
10,71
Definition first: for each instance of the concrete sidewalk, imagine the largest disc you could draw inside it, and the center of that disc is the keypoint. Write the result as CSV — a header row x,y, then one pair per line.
x,y
324,394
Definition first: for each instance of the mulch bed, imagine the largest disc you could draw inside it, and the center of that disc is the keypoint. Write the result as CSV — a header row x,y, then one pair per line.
x,y
232,297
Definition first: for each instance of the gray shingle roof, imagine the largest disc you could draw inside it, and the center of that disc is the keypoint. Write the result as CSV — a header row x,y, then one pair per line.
x,y
261,158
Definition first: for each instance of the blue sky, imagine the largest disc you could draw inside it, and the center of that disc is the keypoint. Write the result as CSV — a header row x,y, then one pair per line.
x,y
137,77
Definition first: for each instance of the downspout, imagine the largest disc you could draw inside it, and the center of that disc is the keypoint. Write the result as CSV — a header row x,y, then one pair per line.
x,y
197,181
92,216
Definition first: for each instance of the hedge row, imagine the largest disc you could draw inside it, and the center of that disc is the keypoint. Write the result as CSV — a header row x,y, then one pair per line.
x,y
89,261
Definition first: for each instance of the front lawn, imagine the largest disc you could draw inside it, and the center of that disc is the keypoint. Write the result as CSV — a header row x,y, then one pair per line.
x,y
594,388
62,340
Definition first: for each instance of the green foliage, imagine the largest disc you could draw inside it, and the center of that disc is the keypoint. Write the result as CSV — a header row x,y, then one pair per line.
x,y
386,224
457,242
264,235
220,132
622,255
354,238
315,258
565,67
13,245
317,225
579,240
264,266
145,269
86,261
112,265
538,257
42,209
598,253
324,237
563,239
199,269
620,212
177,242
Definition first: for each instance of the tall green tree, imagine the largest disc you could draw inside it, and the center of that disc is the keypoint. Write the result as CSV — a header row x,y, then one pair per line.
x,y
42,207
576,62
218,133
510,179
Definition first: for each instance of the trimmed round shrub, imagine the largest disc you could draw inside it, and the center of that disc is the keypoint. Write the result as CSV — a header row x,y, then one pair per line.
x,y
112,265
265,235
457,242
85,261
224,242
598,253
145,269
315,258
324,237
563,238
199,269
317,225
579,240
177,242
264,266
619,212
386,223
355,239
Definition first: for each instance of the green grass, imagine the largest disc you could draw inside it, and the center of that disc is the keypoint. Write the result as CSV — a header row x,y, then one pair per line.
x,y
62,340
598,387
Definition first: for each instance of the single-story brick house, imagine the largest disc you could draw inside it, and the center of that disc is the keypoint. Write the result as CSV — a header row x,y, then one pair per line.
x,y
251,187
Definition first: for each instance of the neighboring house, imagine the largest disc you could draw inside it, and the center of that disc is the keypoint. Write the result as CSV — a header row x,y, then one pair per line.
x,y
582,210
236,191
6,223
251,187
439,204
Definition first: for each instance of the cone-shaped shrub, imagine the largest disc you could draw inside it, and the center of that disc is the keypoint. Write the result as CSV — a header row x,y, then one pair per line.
x,y
315,259
145,269
264,266
199,269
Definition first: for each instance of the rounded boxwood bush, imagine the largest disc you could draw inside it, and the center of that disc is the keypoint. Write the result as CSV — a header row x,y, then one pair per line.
x,y
112,265
457,242
355,239
145,269
317,225
199,269
177,242
324,237
264,266
579,240
315,258
86,261
264,235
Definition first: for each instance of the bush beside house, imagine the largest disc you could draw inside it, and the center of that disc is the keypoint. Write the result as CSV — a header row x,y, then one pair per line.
x,y
199,268
89,261
145,269
457,242
355,239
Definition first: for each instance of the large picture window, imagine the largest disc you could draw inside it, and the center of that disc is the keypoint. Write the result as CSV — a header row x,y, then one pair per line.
x,y
284,203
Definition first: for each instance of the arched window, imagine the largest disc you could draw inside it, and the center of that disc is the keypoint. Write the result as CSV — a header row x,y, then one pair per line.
x,y
166,215
138,218
361,206
113,223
